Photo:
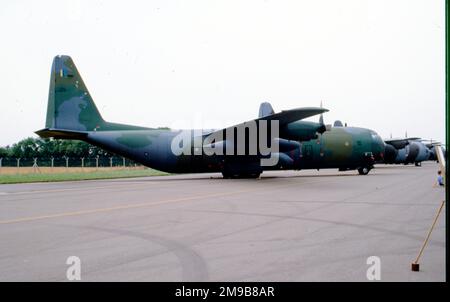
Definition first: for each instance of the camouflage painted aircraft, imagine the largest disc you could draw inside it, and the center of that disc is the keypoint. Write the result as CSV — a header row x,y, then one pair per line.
x,y
72,114
432,145
344,148
407,151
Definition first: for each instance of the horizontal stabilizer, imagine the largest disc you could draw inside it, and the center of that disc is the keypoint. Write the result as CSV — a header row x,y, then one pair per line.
x,y
58,133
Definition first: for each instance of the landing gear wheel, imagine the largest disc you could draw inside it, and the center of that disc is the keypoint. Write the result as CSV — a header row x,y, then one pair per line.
x,y
363,170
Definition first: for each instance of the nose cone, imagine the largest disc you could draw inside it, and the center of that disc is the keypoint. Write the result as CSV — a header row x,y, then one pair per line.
x,y
378,147
390,154
414,149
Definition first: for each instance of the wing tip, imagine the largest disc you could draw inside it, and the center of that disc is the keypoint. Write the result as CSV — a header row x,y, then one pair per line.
x,y
317,109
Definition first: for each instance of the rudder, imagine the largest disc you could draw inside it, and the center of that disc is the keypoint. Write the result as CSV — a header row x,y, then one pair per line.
x,y
70,106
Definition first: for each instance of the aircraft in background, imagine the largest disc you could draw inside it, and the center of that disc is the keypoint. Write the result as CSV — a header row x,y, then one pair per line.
x,y
72,114
410,150
432,145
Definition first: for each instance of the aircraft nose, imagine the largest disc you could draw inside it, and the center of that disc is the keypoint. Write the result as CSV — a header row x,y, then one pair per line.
x,y
378,148
390,153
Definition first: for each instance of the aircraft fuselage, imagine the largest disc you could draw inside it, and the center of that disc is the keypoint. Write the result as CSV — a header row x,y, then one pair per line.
x,y
340,147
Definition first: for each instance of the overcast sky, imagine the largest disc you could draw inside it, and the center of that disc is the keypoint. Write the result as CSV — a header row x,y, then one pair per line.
x,y
375,64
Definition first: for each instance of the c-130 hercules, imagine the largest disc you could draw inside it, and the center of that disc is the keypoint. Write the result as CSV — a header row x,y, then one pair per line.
x,y
72,114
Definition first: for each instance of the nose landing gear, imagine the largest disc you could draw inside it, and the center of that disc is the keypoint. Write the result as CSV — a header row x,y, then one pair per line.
x,y
364,170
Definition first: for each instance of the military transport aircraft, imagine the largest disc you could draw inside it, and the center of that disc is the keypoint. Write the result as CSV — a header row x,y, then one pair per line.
x,y
407,151
432,145
282,139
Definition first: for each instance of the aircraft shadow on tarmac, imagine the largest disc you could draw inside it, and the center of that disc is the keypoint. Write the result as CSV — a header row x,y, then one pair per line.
x,y
219,177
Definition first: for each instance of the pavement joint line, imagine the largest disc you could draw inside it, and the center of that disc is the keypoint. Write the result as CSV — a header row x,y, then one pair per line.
x,y
127,185
75,189
138,205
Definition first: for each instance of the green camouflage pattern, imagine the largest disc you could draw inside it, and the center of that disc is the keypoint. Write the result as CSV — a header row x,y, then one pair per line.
x,y
72,114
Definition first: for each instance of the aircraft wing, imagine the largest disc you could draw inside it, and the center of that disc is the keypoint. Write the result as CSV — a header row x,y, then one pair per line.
x,y
284,117
288,116
401,142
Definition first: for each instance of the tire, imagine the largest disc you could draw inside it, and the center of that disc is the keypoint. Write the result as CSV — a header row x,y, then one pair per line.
x,y
418,164
363,170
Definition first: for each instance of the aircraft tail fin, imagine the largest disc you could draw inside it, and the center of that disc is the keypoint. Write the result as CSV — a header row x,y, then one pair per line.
x,y
71,111
70,106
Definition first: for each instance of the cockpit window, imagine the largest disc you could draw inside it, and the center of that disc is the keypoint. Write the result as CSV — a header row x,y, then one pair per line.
x,y
375,136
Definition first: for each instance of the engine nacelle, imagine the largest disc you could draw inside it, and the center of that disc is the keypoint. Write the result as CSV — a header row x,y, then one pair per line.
x,y
413,152
302,130
285,145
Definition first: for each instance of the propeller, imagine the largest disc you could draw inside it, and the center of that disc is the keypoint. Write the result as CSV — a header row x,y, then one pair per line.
x,y
321,115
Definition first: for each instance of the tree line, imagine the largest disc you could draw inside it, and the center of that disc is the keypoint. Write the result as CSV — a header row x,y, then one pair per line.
x,y
46,148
